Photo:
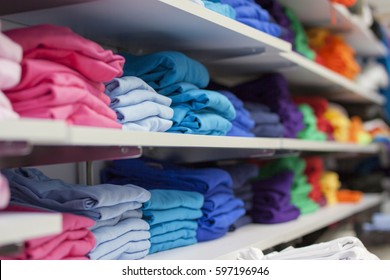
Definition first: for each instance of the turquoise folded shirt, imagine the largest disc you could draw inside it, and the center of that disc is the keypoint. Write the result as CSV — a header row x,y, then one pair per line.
x,y
167,199
154,217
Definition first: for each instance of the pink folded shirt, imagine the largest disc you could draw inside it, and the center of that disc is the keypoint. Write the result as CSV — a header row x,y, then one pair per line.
x,y
62,45
74,242
4,191
54,91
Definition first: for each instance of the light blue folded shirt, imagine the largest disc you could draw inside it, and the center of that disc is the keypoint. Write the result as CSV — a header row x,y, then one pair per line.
x,y
112,241
167,199
154,217
154,124
199,123
137,213
173,235
124,85
136,255
29,186
138,96
173,226
163,69
143,110
202,99
158,247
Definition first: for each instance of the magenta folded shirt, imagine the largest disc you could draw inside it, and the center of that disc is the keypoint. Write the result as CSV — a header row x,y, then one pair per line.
x,y
62,45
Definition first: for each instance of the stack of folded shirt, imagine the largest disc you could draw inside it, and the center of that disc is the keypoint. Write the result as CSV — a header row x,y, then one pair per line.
x,y
346,195
319,106
340,122
344,248
138,106
74,242
250,13
310,132
243,124
172,216
272,91
272,199
333,51
57,81
173,74
300,187
301,42
313,171
329,185
10,72
275,9
4,192
267,124
114,208
357,133
220,208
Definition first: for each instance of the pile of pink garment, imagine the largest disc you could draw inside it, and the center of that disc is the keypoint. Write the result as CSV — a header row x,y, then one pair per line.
x,y
73,243
10,70
63,77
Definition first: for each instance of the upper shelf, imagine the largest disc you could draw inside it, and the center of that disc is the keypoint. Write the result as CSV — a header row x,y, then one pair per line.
x,y
44,138
336,17
302,73
266,236
152,25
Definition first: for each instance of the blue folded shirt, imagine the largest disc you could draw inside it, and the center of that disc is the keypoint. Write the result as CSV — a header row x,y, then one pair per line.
x,y
163,69
173,226
153,174
30,186
167,199
220,8
143,110
154,217
157,247
154,124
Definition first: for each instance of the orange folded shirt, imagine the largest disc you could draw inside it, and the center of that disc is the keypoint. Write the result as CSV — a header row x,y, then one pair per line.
x,y
349,196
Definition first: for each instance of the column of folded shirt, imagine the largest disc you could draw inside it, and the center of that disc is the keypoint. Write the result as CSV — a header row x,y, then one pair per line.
x,y
172,216
220,208
300,187
182,79
319,106
272,90
241,174
243,124
138,106
344,248
74,242
313,171
272,199
10,71
247,12
57,81
119,231
329,185
310,132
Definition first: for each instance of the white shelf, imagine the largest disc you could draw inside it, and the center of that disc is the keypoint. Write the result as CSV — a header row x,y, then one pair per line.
x,y
174,24
301,72
336,17
16,227
46,138
266,236
317,146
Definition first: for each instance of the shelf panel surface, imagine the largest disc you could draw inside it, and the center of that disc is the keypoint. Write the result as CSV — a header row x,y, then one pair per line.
x,y
338,18
152,25
267,236
17,226
302,74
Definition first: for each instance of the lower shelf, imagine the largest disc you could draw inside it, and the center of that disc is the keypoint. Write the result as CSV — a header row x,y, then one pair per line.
x,y
16,227
266,236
